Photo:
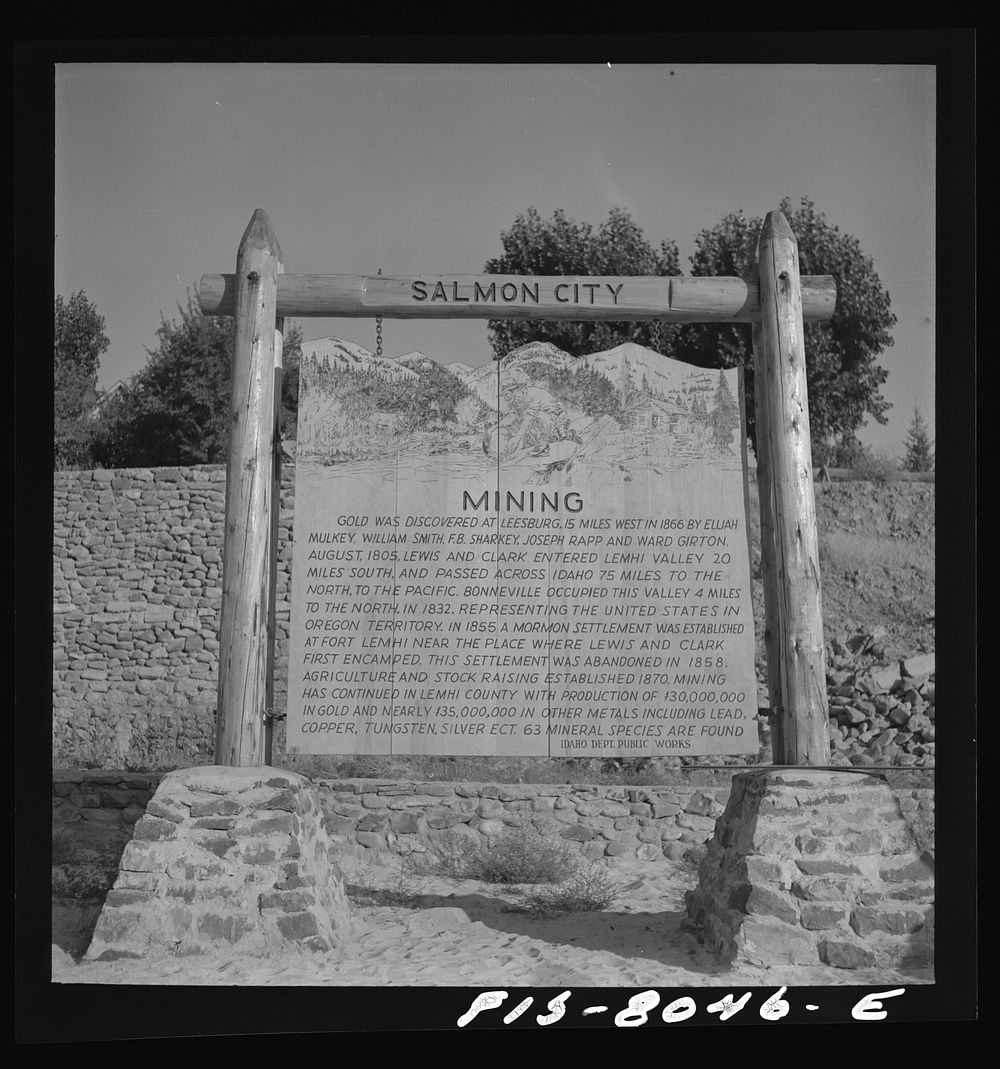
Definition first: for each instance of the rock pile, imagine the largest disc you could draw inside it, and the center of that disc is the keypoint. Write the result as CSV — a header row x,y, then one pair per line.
x,y
880,714
808,866
233,859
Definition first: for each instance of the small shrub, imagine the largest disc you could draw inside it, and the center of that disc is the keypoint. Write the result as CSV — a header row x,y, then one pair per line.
x,y
865,463
875,466
587,890
521,855
451,855
375,885
525,856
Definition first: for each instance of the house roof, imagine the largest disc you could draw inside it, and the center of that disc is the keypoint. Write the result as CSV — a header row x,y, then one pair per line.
x,y
106,396
646,403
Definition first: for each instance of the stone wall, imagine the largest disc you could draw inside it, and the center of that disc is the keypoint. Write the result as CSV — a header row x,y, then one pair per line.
x,y
648,823
137,596
94,815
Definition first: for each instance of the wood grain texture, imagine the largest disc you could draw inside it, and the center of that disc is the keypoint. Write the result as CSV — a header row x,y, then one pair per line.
x,y
765,496
801,738
620,298
272,624
246,631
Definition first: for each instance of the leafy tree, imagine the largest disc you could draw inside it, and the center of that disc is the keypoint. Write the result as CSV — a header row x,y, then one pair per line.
x,y
291,357
844,376
846,451
561,246
176,410
919,446
79,342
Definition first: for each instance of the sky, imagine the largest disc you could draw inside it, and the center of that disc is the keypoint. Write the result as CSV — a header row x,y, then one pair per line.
x,y
418,168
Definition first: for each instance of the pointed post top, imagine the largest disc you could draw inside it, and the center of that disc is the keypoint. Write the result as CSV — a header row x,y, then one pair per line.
x,y
259,235
775,227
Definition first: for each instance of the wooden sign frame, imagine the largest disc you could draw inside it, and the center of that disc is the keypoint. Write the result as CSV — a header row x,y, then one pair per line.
x,y
776,301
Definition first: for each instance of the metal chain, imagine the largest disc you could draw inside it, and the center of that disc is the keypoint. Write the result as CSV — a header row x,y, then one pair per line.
x,y
378,331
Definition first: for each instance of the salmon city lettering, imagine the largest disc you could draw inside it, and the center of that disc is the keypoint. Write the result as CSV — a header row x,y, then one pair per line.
x,y
516,292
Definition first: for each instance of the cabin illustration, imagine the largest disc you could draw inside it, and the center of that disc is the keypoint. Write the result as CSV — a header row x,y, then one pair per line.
x,y
648,413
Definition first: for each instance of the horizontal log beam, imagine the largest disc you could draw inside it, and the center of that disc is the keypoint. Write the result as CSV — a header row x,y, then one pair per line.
x,y
673,299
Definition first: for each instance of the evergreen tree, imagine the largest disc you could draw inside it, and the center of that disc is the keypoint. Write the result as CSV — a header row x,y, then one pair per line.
x,y
725,415
919,446
626,387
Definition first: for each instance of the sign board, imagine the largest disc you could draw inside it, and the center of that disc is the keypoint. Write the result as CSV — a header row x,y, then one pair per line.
x,y
545,555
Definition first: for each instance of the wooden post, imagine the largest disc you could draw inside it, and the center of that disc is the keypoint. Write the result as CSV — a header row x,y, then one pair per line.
x,y
793,591
767,552
272,626
246,635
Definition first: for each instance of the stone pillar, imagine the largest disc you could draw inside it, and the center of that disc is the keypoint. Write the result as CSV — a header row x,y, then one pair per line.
x,y
811,867
225,859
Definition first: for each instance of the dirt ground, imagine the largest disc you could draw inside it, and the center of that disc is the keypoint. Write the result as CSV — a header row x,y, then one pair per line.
x,y
877,546
428,931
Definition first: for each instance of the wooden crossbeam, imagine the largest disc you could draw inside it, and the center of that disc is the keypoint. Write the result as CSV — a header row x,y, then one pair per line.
x,y
621,298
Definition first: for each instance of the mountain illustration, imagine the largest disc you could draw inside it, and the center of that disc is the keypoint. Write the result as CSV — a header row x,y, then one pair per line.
x,y
628,408
482,381
536,357
416,362
349,356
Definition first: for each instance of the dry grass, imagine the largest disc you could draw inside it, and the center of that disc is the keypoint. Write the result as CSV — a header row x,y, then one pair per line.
x,y
370,884
520,855
875,466
607,772
845,552
525,856
587,890
543,875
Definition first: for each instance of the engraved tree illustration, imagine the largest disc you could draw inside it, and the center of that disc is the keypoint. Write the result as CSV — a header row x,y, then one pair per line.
x,y
724,417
